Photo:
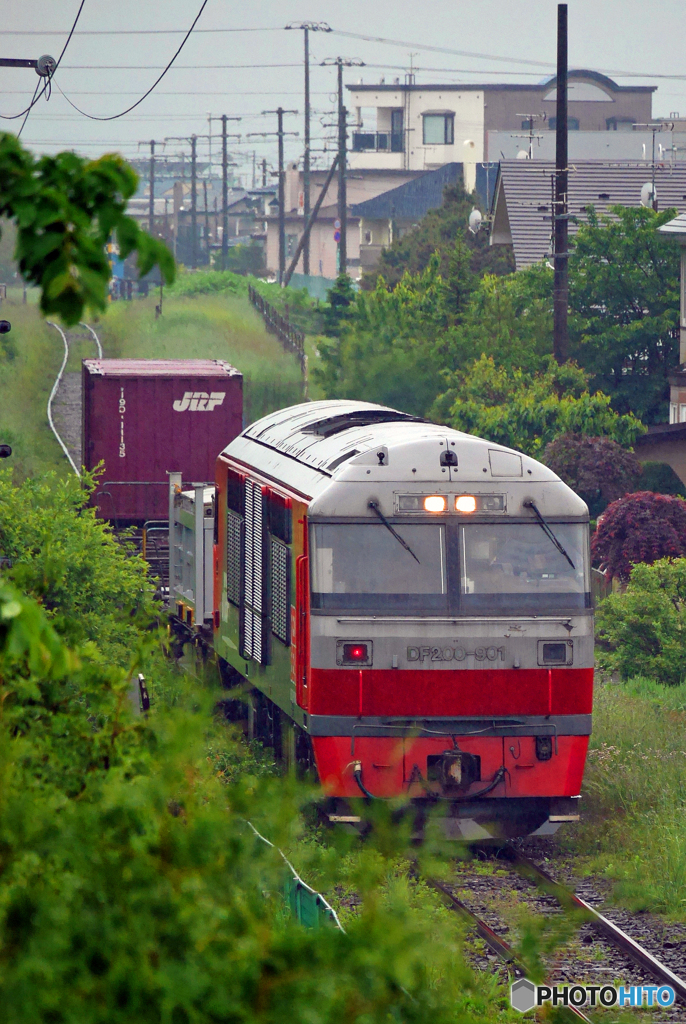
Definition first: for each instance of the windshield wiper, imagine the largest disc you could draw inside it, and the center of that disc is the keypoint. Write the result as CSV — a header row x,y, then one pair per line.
x,y
548,532
377,512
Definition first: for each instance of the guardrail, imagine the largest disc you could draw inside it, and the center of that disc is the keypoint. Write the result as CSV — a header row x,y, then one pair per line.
x,y
290,337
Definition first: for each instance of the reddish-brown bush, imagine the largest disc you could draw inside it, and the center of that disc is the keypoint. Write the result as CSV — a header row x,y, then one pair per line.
x,y
639,527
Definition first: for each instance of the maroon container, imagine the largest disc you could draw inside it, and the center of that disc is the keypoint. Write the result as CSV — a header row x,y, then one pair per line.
x,y
145,418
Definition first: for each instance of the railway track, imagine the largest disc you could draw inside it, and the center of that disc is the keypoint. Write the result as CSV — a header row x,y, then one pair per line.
x,y
621,956
64,403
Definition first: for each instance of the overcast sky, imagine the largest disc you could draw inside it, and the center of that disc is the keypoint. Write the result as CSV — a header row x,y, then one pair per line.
x,y
500,40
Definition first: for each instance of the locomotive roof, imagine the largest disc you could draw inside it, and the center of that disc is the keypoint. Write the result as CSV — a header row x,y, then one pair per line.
x,y
311,446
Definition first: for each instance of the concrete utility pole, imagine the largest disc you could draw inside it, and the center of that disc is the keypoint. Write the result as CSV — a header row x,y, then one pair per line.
x,y
193,139
264,172
340,63
560,221
280,133
151,198
225,179
310,221
307,27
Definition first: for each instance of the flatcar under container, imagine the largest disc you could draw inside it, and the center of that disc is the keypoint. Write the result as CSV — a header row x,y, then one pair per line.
x,y
144,417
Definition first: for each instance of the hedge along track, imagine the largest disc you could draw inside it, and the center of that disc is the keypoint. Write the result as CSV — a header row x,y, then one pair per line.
x,y
568,901
58,381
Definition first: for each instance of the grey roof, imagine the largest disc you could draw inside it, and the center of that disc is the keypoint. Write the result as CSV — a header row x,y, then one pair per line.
x,y
521,208
575,74
413,199
676,226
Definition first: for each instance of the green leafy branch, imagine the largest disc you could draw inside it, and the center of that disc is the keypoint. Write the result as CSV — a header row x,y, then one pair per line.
x,y
66,210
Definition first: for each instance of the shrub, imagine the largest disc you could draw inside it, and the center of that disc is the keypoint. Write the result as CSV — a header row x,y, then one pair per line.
x,y
640,527
643,630
597,468
57,551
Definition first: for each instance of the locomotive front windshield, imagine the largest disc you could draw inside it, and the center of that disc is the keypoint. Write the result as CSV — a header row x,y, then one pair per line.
x,y
518,567
433,569
364,567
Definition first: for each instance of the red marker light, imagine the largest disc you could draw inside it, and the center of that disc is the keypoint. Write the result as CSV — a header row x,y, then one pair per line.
x,y
355,653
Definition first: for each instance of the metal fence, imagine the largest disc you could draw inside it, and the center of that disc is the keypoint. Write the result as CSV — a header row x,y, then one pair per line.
x,y
290,337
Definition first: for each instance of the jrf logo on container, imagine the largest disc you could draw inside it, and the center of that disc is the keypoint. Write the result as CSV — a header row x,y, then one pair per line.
x,y
199,401
524,995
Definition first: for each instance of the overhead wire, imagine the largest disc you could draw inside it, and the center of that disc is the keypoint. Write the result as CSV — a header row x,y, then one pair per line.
x,y
113,117
14,117
132,31
26,116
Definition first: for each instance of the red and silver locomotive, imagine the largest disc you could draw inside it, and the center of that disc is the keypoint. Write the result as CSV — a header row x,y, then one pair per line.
x,y
414,604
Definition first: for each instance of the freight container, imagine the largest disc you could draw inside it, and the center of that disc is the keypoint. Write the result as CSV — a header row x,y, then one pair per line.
x,y
145,418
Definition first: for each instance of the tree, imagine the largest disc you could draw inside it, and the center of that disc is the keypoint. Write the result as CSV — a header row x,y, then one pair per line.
x,y
66,209
642,631
509,318
640,527
624,297
339,299
437,232
528,410
597,468
389,349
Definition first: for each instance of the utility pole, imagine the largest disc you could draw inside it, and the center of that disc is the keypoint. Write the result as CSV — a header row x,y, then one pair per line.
x,y
225,187
560,222
307,27
151,199
280,133
531,134
193,139
340,63
207,220
225,179
264,172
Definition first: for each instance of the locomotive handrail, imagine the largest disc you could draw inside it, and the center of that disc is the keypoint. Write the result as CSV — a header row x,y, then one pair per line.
x,y
464,618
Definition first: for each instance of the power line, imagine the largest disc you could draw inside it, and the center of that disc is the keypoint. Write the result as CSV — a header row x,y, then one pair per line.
x,y
113,117
131,31
33,100
13,117
178,67
443,49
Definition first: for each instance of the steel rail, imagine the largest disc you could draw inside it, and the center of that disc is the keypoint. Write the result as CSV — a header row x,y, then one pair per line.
x,y
55,386
499,946
58,381
610,931
96,339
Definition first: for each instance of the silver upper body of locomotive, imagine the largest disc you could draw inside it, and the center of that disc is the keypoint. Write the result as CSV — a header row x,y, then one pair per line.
x,y
351,460
340,455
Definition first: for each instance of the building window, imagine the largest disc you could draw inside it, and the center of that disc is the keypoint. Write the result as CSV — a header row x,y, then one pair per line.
x,y
620,124
439,129
291,244
683,287
682,413
572,124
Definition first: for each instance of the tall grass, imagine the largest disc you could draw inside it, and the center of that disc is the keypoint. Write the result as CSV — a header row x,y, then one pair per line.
x,y
635,793
25,383
208,327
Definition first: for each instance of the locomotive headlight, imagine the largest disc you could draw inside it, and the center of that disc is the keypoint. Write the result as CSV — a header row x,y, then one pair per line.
x,y
435,503
465,503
